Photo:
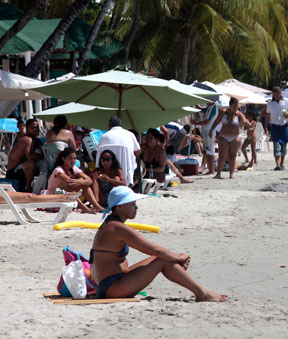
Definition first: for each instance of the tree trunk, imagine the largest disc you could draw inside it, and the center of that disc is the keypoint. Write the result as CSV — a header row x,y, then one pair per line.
x,y
133,31
20,23
93,34
185,59
42,56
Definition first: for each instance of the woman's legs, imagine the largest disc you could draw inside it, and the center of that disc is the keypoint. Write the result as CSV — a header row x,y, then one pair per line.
x,y
243,149
22,198
89,196
233,149
143,273
253,151
223,147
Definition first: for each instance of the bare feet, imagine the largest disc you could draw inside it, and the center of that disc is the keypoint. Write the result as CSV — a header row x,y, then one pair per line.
x,y
232,177
186,181
209,173
212,297
217,176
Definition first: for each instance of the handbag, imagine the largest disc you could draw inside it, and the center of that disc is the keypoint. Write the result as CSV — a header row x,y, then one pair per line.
x,y
73,256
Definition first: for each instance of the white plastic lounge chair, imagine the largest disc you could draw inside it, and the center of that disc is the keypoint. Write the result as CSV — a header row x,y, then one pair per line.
x,y
19,209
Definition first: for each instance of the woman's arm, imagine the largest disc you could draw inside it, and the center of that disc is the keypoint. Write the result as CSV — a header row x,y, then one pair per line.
x,y
245,122
71,142
137,241
83,179
118,181
217,121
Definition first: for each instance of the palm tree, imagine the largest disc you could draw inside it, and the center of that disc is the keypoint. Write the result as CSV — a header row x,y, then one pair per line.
x,y
20,23
93,34
40,59
205,40
129,39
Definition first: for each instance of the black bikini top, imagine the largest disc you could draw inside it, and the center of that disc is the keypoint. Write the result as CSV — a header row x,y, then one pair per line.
x,y
122,253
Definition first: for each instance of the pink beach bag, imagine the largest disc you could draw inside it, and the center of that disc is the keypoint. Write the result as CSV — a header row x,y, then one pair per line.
x,y
69,256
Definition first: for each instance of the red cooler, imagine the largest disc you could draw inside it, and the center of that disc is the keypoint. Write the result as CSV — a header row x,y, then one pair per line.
x,y
189,166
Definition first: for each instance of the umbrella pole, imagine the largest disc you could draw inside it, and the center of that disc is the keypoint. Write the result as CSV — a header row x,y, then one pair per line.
x,y
120,101
190,136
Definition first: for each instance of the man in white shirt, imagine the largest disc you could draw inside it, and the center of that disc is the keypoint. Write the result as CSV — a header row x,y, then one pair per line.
x,y
116,137
277,115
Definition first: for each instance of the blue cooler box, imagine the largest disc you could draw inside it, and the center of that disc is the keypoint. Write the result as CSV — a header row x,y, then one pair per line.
x,y
189,166
8,125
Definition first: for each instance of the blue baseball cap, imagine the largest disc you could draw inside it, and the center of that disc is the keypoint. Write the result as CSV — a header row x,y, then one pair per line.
x,y
122,195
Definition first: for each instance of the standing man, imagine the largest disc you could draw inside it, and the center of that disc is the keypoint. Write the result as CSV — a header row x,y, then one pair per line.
x,y
277,115
23,156
116,137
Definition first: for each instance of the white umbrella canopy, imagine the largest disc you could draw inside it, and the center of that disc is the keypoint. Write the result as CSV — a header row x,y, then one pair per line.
x,y
98,117
249,87
18,88
121,89
243,95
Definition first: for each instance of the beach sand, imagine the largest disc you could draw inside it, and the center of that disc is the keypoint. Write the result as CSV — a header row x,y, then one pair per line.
x,y
234,230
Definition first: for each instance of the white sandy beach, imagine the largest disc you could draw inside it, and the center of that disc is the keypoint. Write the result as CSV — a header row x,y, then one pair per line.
x,y
235,231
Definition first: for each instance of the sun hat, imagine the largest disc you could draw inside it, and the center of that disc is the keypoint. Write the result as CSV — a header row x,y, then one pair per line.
x,y
122,195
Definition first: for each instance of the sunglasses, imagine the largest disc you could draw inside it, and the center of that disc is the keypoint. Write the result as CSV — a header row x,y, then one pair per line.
x,y
106,159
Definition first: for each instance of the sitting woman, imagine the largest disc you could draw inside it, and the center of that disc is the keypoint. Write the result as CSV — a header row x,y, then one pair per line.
x,y
113,277
154,156
106,176
59,136
66,176
229,140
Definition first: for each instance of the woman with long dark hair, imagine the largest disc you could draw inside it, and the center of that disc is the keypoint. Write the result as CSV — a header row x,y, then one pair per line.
x,y
59,136
154,156
108,175
68,177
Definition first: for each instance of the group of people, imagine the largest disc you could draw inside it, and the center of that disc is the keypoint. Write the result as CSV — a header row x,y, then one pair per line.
x,y
108,186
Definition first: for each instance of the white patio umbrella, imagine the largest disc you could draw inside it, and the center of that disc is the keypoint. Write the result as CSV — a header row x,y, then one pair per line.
x,y
232,90
244,85
18,88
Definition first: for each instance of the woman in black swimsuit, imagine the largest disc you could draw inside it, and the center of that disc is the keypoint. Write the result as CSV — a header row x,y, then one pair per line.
x,y
153,156
112,275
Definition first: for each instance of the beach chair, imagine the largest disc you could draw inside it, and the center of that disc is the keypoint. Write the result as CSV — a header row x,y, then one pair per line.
x,y
21,209
261,137
90,147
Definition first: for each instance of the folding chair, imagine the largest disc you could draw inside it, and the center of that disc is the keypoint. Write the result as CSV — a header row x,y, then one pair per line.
x,y
19,209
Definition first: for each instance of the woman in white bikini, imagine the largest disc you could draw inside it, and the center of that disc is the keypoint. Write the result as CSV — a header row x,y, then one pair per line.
x,y
229,140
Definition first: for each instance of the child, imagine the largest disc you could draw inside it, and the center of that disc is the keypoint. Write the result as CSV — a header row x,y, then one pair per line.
x,y
250,140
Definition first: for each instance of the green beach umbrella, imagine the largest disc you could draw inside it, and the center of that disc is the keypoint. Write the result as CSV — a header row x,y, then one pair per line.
x,y
123,90
97,117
